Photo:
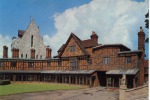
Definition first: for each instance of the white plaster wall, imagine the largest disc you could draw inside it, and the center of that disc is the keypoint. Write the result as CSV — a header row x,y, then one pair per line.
x,y
24,43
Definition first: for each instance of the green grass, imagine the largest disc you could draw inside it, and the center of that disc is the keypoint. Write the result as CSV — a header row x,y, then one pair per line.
x,y
32,87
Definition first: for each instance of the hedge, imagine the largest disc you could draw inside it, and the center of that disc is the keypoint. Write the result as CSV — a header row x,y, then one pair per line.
x,y
4,82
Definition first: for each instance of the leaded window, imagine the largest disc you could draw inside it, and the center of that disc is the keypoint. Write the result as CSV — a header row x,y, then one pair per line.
x,y
74,64
14,64
72,48
128,60
106,60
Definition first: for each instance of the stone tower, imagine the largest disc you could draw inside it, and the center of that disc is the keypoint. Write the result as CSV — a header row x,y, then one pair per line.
x,y
29,43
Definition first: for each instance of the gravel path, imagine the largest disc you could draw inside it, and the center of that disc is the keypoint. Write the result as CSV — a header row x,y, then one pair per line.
x,y
97,93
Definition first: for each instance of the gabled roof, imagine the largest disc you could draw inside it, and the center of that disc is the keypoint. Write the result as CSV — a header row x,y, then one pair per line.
x,y
111,45
77,40
61,48
89,43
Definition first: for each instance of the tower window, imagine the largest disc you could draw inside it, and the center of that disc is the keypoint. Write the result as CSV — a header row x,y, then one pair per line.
x,y
32,41
21,55
41,57
36,56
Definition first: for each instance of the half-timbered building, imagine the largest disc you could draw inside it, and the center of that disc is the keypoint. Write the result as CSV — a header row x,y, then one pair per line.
x,y
82,62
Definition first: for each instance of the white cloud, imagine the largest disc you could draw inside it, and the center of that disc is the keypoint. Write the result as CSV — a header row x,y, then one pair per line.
x,y
5,40
115,21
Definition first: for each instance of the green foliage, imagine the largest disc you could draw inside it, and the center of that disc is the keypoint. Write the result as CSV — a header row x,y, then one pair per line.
x,y
147,20
4,82
32,87
147,25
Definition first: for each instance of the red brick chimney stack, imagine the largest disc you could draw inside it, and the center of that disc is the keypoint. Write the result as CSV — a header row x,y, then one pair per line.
x,y
15,53
5,52
141,46
94,36
141,40
48,52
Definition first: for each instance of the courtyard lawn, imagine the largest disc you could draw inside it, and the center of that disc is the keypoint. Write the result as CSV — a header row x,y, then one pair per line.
x,y
32,87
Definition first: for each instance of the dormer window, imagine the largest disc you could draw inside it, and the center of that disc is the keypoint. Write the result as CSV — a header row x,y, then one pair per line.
x,y
32,41
72,48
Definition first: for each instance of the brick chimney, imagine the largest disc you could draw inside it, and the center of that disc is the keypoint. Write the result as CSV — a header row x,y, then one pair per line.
x,y
94,36
48,52
141,46
15,53
32,53
141,40
5,52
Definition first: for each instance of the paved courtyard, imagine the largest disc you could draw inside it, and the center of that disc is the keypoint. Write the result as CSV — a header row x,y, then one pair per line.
x,y
97,93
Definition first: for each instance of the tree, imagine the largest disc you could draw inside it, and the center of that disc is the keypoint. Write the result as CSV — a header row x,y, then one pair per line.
x,y
147,25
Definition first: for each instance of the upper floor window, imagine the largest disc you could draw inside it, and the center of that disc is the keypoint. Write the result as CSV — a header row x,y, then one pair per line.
x,y
128,60
72,48
14,64
90,61
26,55
1,64
30,64
48,63
32,41
59,63
106,60
74,64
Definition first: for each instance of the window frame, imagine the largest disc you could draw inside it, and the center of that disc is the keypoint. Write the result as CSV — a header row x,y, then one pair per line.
x,y
106,60
2,64
59,63
30,64
74,64
13,63
128,60
72,48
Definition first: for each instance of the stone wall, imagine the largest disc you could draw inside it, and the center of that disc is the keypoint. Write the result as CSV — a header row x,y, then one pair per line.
x,y
25,44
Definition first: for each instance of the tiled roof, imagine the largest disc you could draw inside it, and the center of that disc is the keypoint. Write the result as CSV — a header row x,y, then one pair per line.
x,y
89,43
20,33
78,41
69,72
50,72
61,48
127,52
131,71
111,45
84,43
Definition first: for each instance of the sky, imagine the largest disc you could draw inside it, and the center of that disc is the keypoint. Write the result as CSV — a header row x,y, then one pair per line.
x,y
115,21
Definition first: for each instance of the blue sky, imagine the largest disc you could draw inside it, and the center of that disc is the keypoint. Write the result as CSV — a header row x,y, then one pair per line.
x,y
114,22
16,14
